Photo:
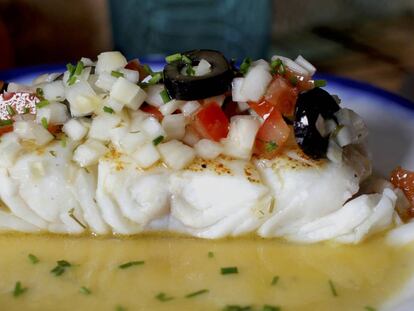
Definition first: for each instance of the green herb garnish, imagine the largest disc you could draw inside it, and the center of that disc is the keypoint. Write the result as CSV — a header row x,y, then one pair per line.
x,y
6,122
186,60
108,109
39,92
79,68
245,65
33,259
210,254
229,270
71,213
165,96
275,280
173,57
158,140
71,69
319,83
52,153
147,69
270,146
155,78
60,268
270,308
163,297
44,122
72,80
10,110
275,64
116,74
197,293
84,290
237,308
293,80
130,264
42,103
18,289
189,70
333,289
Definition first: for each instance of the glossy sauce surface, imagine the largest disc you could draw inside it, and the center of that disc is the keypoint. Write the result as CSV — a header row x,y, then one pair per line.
x,y
362,275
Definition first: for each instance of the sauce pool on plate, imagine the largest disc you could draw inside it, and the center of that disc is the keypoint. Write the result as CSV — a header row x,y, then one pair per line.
x,y
158,272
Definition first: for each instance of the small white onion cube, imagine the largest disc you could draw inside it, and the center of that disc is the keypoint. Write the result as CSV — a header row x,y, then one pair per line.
x,y
191,137
152,128
236,87
54,113
108,61
9,149
116,134
29,130
82,99
132,141
242,134
89,153
190,107
202,68
176,155
41,135
105,81
301,61
75,130
153,95
208,149
128,93
136,118
146,155
101,126
243,106
255,84
170,107
54,90
174,126
116,105
130,75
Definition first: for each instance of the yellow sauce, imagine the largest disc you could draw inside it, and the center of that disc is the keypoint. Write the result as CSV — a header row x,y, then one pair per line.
x,y
363,275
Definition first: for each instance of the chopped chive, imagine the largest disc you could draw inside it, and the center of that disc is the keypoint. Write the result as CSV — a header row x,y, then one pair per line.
x,y
71,69
39,92
116,74
6,122
84,290
270,308
130,264
237,308
277,66
197,293
72,80
293,80
229,270
319,83
18,289
71,213
147,69
333,289
281,70
210,254
245,65
79,68
165,96
120,308
189,70
60,267
158,140
33,259
10,110
42,103
270,146
108,109
369,308
163,297
155,78
275,280
45,124
173,57
52,153
186,60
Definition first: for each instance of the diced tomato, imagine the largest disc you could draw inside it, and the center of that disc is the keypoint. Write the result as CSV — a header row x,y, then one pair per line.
x,y
404,180
272,135
54,128
262,108
154,111
211,122
282,95
6,129
136,65
231,109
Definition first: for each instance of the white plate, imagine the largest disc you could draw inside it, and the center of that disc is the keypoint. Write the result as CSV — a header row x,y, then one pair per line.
x,y
390,120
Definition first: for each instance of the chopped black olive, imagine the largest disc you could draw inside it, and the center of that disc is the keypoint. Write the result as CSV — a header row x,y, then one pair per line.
x,y
188,87
3,86
309,106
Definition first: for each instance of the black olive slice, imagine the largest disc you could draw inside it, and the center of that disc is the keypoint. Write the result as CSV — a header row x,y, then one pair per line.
x,y
186,87
3,86
309,106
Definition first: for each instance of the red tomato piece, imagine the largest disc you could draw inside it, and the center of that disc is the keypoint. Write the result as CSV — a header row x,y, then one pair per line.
x,y
282,95
272,135
6,129
262,108
404,180
154,111
211,122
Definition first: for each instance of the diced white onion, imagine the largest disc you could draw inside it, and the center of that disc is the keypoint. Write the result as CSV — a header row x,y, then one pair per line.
x,y
54,90
116,134
109,61
116,105
191,137
136,118
54,113
334,152
29,130
320,126
105,81
255,83
291,65
190,107
153,95
131,75
152,128
146,155
330,126
243,106
202,68
355,124
132,141
174,126
75,130
89,153
87,62
9,149
15,87
208,149
176,155
82,99
242,134
101,126
301,61
344,136
236,87
128,93
170,107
